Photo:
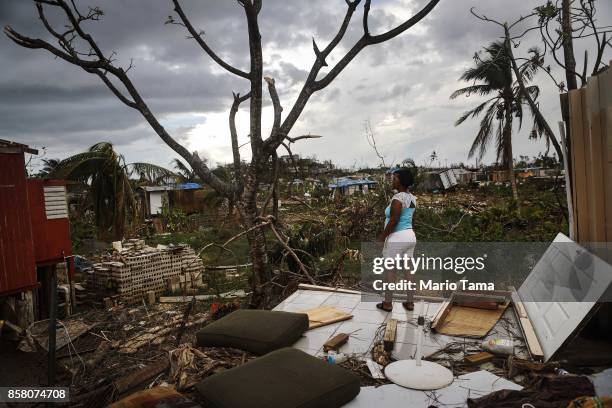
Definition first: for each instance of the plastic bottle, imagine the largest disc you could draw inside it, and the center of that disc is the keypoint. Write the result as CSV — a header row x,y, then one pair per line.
x,y
336,358
499,346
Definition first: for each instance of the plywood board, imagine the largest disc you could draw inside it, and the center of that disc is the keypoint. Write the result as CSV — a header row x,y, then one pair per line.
x,y
469,322
324,315
595,176
579,175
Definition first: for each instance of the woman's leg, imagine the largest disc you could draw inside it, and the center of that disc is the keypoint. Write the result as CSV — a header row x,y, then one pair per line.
x,y
389,276
410,245
398,243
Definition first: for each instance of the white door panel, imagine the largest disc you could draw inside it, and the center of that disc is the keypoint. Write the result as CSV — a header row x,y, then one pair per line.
x,y
561,290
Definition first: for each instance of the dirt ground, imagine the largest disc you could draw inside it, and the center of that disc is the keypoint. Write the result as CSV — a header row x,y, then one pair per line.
x,y
19,368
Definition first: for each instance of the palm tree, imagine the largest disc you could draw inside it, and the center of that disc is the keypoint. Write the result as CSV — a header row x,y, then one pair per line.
x,y
185,173
110,188
48,166
495,79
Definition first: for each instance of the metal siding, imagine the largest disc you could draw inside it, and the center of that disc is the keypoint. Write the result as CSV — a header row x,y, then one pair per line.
x,y
17,267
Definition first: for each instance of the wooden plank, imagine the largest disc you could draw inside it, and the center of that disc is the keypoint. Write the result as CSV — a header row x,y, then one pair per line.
x,y
479,358
335,342
305,286
579,163
322,316
605,101
479,300
595,176
533,344
390,334
442,312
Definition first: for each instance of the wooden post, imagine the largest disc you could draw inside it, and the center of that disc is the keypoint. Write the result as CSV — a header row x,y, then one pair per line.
x,y
52,324
390,334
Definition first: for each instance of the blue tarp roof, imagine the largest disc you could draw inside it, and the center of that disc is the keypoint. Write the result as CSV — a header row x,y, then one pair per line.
x,y
345,182
170,187
188,186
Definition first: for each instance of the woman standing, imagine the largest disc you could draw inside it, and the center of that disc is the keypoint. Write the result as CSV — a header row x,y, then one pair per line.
x,y
398,235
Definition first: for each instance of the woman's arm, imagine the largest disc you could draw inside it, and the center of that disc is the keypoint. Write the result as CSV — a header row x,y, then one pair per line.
x,y
396,211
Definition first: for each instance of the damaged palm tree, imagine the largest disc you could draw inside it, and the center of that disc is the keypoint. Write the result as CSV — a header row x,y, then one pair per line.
x,y
78,47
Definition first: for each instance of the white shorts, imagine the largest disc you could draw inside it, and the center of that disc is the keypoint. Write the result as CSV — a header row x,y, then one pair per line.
x,y
400,243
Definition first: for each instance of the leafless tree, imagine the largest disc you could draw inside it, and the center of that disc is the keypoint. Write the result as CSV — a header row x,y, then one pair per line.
x,y
73,44
561,23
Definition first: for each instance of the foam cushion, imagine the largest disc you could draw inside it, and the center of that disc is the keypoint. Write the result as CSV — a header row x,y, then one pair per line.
x,y
286,378
256,331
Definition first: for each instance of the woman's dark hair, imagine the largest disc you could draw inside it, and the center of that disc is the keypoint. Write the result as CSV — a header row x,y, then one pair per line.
x,y
405,177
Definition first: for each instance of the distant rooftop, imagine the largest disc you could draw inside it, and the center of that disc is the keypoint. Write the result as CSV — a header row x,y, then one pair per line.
x,y
172,187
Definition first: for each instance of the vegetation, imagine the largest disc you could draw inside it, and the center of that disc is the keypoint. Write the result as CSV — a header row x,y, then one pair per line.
x,y
78,47
315,235
110,190
496,81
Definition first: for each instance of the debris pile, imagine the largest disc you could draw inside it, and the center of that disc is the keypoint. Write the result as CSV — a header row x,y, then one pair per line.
x,y
189,365
135,269
126,348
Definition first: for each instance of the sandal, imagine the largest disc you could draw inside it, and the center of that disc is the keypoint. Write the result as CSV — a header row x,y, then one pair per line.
x,y
408,306
382,306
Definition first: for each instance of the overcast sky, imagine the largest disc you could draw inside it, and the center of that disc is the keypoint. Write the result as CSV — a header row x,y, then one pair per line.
x,y
402,87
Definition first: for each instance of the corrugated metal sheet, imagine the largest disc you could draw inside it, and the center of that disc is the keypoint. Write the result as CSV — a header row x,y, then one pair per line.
x,y
17,267
55,202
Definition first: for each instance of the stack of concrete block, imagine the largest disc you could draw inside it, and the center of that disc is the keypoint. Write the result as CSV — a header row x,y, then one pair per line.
x,y
139,269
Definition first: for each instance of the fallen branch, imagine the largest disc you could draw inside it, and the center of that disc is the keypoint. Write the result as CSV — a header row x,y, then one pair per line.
x,y
293,254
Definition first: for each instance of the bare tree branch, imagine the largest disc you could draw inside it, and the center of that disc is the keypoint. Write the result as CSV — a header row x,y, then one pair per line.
x,y
291,252
278,109
296,138
312,85
234,134
102,66
198,36
366,14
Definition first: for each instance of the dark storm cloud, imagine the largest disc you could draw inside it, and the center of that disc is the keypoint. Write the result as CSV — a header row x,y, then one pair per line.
x,y
401,86
47,99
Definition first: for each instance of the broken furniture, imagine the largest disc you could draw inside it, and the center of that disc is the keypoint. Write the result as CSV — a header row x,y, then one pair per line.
x,y
286,378
470,314
418,374
256,331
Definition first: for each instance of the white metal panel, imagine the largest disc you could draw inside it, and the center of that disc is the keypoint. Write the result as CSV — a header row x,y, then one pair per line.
x,y
559,293
55,202
448,179
155,202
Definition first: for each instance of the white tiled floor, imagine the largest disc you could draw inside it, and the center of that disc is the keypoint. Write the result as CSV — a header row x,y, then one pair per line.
x,y
367,319
362,327
472,385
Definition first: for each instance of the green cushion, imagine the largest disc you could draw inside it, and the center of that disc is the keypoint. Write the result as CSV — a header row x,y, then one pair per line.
x,y
256,331
286,378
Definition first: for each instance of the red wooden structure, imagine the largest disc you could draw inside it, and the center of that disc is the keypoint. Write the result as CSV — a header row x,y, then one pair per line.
x,y
34,226
17,262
